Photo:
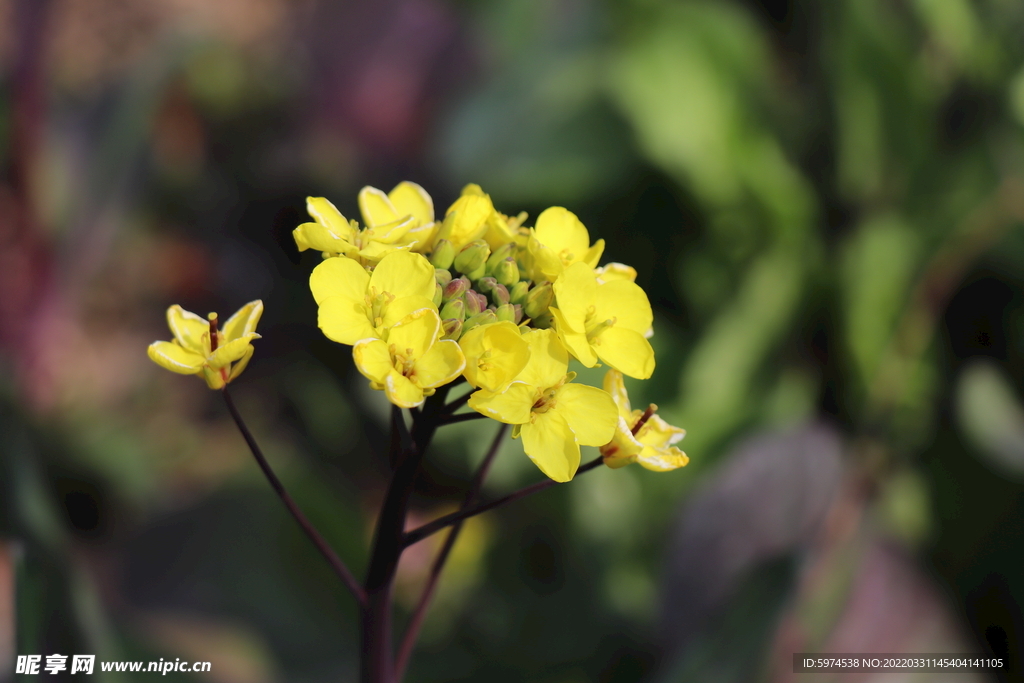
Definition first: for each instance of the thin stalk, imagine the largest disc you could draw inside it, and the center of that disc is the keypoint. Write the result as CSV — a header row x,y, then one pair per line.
x,y
321,544
430,528
420,613
462,417
377,665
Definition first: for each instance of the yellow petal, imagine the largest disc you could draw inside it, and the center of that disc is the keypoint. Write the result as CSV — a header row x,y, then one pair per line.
x,y
393,232
561,231
623,448
421,238
325,213
340,277
244,320
495,355
574,340
415,333
662,460
575,292
549,360
402,392
625,303
615,271
511,406
173,357
375,251
376,208
317,237
589,412
400,308
237,368
344,320
231,351
551,446
593,255
404,274
191,330
466,219
372,359
625,350
441,364
409,199
543,262
615,385
658,433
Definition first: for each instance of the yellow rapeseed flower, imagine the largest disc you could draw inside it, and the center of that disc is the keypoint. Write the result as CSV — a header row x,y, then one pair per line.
x,y
651,446
200,348
553,416
495,354
383,211
334,235
468,218
559,240
413,362
608,320
357,305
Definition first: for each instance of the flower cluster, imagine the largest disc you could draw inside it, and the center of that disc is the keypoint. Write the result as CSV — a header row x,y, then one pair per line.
x,y
479,295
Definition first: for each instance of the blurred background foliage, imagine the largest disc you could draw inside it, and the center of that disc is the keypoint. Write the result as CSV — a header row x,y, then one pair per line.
x,y
824,201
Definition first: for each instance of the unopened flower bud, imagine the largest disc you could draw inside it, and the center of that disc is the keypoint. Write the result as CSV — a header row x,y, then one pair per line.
x,y
451,329
538,300
519,313
455,289
475,303
500,254
485,284
542,321
438,292
506,312
454,309
499,295
472,258
517,294
507,272
442,276
481,318
443,254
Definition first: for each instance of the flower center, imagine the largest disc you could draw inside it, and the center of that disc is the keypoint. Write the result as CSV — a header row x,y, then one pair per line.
x,y
594,329
545,402
403,361
377,305
567,257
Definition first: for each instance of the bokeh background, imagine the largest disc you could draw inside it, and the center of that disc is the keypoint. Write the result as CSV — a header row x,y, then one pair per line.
x,y
824,200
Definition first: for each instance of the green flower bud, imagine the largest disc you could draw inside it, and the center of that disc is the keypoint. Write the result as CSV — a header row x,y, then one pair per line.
x,y
499,295
485,284
442,276
443,254
472,258
455,289
500,254
517,294
451,329
543,321
507,272
481,318
506,312
538,300
518,313
438,292
478,273
475,302
454,310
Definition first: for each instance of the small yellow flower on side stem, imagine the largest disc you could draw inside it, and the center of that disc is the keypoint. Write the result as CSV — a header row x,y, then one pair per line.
x,y
559,240
609,320
335,235
640,436
495,354
553,416
357,305
200,348
413,362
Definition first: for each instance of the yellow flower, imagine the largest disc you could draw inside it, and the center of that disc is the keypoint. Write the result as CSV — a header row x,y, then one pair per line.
x,y
607,320
615,271
553,416
651,446
468,218
495,354
559,240
357,305
199,348
334,235
383,211
413,362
